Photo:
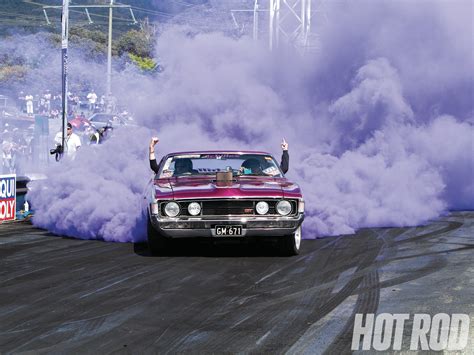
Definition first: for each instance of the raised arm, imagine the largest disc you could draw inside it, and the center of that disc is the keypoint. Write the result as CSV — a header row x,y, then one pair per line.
x,y
285,157
153,163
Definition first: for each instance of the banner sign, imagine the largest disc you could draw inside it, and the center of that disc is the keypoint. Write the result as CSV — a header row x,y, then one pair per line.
x,y
7,197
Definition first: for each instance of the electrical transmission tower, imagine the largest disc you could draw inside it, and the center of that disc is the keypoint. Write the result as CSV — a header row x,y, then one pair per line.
x,y
289,21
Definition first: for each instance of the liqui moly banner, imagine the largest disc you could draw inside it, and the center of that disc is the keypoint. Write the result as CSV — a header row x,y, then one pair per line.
x,y
7,197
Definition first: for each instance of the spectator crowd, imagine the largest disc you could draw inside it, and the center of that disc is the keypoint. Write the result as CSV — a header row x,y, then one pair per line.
x,y
19,134
49,104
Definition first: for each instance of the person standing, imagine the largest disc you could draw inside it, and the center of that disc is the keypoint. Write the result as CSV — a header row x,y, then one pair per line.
x,y
72,142
57,101
29,104
21,101
41,105
47,101
92,98
102,104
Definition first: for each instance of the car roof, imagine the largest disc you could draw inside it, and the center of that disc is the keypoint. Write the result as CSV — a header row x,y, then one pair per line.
x,y
242,152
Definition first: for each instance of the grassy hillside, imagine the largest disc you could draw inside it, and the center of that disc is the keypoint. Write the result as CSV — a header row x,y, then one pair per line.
x,y
27,15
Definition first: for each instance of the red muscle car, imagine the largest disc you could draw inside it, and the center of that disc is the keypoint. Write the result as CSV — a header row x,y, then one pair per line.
x,y
223,194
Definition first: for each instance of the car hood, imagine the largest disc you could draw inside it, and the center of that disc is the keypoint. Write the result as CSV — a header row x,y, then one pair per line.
x,y
197,188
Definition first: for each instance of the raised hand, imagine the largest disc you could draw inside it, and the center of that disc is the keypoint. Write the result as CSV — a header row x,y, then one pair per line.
x,y
153,142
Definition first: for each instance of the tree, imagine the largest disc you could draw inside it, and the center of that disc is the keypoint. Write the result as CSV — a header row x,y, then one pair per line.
x,y
135,42
12,73
145,64
138,44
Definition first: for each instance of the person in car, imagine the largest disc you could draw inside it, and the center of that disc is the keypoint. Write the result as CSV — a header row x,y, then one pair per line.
x,y
253,166
182,166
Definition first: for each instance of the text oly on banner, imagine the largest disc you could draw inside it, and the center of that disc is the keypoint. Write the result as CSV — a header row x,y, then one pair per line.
x,y
7,197
385,331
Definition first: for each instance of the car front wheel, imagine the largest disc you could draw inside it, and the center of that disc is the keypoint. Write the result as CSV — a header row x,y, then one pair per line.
x,y
157,244
290,244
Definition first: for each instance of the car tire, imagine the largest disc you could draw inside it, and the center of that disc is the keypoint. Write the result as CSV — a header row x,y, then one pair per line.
x,y
291,244
157,244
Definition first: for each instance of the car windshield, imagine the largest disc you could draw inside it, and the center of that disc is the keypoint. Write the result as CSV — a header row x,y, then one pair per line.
x,y
210,164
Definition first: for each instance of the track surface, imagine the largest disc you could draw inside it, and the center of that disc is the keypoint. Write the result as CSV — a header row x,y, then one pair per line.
x,y
74,296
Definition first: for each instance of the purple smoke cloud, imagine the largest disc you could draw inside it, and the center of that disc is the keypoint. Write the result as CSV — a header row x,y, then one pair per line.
x,y
379,121
98,195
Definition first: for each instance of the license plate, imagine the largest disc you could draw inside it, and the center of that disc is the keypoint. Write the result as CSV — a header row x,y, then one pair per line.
x,y
228,231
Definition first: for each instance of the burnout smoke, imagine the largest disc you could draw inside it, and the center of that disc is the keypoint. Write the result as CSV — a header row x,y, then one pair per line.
x,y
379,121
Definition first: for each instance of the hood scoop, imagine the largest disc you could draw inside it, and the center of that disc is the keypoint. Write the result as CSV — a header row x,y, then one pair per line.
x,y
224,179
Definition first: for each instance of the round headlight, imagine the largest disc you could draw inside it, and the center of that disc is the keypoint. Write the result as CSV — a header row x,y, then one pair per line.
x,y
284,207
262,207
172,209
194,208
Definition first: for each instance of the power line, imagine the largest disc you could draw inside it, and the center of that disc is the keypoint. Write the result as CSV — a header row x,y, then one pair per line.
x,y
98,15
41,18
153,12
184,3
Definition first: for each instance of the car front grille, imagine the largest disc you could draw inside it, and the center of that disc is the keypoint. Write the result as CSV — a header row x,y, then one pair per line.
x,y
219,208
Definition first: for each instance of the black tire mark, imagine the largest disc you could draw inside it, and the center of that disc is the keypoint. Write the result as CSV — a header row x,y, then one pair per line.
x,y
450,227
261,312
368,299
432,267
294,332
440,252
266,307
367,302
371,290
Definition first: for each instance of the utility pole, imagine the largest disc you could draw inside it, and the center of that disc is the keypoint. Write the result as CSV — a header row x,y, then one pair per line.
x,y
255,21
64,45
109,53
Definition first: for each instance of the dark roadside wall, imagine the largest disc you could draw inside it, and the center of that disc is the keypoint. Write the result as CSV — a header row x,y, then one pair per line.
x,y
21,190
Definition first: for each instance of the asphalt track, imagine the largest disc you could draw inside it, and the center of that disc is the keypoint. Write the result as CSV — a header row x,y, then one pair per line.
x,y
62,295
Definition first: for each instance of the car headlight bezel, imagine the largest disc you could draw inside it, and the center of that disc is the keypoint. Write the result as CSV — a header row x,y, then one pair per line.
x,y
263,209
284,207
192,207
172,209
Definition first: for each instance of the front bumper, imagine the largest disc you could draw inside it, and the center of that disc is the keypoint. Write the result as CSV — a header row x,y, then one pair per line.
x,y
252,226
